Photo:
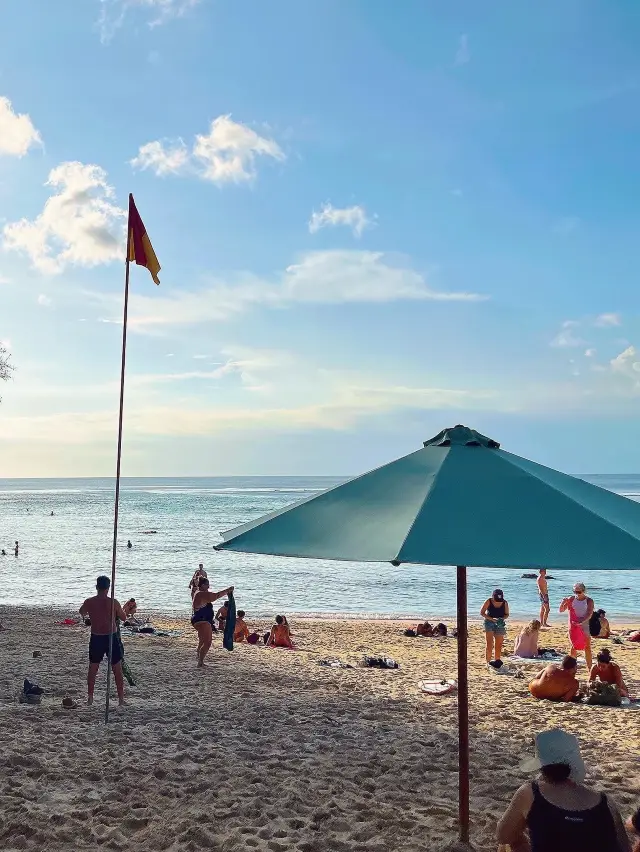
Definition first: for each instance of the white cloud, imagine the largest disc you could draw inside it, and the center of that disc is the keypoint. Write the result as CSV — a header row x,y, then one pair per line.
x,y
44,301
351,217
17,133
79,224
4,280
228,153
627,363
114,12
590,353
608,320
169,160
319,277
566,337
463,55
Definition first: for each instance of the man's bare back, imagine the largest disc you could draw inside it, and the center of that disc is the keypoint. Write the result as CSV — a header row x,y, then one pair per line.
x,y
98,608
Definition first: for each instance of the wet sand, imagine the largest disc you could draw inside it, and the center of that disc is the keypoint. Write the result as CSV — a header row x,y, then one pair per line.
x,y
266,750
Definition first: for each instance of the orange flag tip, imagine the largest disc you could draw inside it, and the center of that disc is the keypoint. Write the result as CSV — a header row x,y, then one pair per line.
x,y
139,248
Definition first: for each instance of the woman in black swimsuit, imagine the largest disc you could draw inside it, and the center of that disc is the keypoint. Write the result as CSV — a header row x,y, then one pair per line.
x,y
202,618
558,811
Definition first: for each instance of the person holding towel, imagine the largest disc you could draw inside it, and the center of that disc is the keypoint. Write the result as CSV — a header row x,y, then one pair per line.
x,y
580,609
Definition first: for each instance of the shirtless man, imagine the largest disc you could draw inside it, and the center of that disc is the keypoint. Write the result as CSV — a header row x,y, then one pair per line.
x,y
103,627
543,591
557,683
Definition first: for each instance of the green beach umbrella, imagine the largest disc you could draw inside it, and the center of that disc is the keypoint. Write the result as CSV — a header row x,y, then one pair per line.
x,y
460,500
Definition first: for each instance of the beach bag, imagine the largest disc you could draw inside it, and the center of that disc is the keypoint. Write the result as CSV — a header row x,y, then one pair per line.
x,y
253,638
604,694
635,636
577,637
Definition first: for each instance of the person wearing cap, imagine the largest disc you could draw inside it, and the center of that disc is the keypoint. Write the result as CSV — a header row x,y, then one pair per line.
x,y
558,811
580,609
495,611
557,683
607,671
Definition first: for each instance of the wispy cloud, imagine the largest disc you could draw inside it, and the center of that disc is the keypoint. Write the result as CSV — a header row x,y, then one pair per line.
x,y
114,12
17,133
79,224
350,217
44,301
463,54
608,321
567,337
319,277
228,153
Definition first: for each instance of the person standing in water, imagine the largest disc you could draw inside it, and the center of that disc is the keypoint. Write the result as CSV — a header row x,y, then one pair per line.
x,y
17,549
104,632
495,612
543,591
129,545
580,609
202,619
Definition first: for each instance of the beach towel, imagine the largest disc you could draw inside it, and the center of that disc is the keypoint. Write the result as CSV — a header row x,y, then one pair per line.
x,y
545,660
577,637
437,687
230,624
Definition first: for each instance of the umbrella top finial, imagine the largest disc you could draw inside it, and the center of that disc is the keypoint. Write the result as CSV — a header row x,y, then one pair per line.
x,y
461,436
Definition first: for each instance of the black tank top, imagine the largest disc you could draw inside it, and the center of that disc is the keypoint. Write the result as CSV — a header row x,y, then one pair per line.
x,y
553,829
495,611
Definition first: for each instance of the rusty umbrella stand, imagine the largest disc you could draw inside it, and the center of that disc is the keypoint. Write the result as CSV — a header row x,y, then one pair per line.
x,y
463,704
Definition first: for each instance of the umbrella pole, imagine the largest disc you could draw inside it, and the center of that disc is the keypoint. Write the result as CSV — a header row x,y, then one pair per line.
x,y
463,706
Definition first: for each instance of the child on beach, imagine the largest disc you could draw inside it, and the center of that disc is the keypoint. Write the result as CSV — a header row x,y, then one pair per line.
x,y
241,631
526,644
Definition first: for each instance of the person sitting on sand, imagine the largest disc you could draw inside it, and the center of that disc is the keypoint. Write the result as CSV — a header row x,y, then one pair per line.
x,y
607,671
280,636
221,615
130,608
202,619
104,634
558,811
526,644
424,629
599,626
241,631
495,612
557,683
4,552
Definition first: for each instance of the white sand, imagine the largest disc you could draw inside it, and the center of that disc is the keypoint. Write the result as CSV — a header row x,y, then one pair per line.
x,y
267,750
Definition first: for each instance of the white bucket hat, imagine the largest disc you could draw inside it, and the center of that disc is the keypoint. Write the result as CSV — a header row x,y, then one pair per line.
x,y
557,746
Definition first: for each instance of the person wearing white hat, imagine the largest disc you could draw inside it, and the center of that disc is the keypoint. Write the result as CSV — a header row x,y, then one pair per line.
x,y
559,812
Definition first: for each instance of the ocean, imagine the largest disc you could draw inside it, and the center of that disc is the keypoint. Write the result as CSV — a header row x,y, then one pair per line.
x,y
61,554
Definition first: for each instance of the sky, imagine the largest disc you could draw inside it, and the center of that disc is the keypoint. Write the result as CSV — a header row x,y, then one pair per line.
x,y
374,221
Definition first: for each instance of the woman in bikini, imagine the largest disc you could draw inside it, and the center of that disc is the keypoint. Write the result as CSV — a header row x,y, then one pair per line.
x,y
495,612
580,609
202,619
280,636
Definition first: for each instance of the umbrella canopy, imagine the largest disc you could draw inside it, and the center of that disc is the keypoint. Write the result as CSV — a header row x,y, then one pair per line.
x,y
460,500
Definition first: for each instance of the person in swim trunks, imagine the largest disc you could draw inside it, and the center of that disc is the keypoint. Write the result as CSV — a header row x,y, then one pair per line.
x,y
495,612
543,592
103,634
202,619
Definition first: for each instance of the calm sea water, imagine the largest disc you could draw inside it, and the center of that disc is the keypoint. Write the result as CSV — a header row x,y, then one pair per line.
x,y
61,555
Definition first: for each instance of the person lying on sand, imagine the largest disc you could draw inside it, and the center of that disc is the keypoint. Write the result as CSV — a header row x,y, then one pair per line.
x,y
241,631
202,619
424,629
526,644
607,671
557,683
103,634
558,811
280,636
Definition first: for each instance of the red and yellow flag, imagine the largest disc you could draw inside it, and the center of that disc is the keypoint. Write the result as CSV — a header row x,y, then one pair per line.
x,y
139,248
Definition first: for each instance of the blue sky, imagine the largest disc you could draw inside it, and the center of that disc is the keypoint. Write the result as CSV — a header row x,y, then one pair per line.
x,y
374,220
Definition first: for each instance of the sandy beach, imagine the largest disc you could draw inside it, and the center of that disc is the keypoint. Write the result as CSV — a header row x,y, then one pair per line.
x,y
268,750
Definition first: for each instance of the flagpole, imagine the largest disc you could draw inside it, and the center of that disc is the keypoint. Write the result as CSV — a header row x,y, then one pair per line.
x,y
117,495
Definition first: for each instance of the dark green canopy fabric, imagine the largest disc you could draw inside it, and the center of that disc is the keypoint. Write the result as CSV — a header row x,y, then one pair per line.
x,y
460,500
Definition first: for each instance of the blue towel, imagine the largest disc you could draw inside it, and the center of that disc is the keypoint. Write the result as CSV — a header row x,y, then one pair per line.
x,y
229,625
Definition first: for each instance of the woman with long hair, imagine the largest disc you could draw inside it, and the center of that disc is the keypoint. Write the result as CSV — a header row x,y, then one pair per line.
x,y
526,644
